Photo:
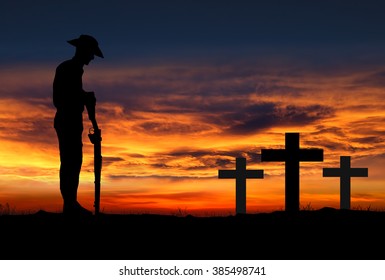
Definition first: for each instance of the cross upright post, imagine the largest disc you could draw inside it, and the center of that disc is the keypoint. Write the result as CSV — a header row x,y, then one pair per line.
x,y
292,155
345,172
240,174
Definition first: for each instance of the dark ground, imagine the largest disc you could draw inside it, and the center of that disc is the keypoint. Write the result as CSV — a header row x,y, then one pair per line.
x,y
326,234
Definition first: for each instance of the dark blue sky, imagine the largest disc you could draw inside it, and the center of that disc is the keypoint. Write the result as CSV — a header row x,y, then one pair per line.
x,y
37,31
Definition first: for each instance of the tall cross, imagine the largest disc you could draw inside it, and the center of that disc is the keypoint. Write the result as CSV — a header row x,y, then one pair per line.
x,y
240,174
345,172
292,155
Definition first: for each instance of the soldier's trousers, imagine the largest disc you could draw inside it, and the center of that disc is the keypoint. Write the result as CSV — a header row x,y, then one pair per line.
x,y
71,158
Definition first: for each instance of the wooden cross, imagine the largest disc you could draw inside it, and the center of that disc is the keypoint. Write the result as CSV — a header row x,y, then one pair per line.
x,y
345,172
240,174
292,155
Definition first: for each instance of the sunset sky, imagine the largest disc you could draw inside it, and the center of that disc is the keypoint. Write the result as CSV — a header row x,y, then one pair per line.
x,y
186,87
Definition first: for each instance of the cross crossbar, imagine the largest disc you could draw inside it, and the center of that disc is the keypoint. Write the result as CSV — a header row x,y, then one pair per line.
x,y
240,174
345,172
292,155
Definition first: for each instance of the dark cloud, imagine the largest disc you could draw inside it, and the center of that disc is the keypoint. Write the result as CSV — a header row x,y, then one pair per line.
x,y
370,80
259,117
198,87
264,88
135,155
221,163
234,115
302,115
207,160
111,160
372,140
335,146
368,127
213,159
164,128
322,130
32,131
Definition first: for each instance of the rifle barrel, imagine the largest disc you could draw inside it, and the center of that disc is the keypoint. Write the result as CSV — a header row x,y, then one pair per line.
x,y
96,141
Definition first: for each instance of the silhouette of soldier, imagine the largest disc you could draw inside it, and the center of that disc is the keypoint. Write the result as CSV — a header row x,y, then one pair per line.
x,y
70,99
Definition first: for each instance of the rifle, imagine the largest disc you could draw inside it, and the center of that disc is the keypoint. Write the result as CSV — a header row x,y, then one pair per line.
x,y
95,136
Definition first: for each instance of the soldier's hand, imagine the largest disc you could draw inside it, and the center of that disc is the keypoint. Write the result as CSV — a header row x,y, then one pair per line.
x,y
98,134
95,135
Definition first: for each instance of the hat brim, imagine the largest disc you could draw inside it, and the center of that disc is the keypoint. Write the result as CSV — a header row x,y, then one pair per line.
x,y
98,52
95,49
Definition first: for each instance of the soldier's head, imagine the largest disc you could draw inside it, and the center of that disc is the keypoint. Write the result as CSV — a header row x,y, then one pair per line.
x,y
86,48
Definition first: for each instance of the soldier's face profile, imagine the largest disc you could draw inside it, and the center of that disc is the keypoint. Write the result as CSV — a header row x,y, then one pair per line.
x,y
88,57
85,54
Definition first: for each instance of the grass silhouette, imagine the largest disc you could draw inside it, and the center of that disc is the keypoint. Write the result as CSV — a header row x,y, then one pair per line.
x,y
325,233
6,209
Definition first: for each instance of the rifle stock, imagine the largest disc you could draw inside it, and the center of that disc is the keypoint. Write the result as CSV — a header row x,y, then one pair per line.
x,y
96,139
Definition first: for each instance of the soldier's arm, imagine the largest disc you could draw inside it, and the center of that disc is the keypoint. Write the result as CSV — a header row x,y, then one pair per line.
x,y
90,102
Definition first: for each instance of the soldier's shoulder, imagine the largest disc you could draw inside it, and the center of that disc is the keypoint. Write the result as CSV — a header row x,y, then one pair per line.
x,y
65,64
